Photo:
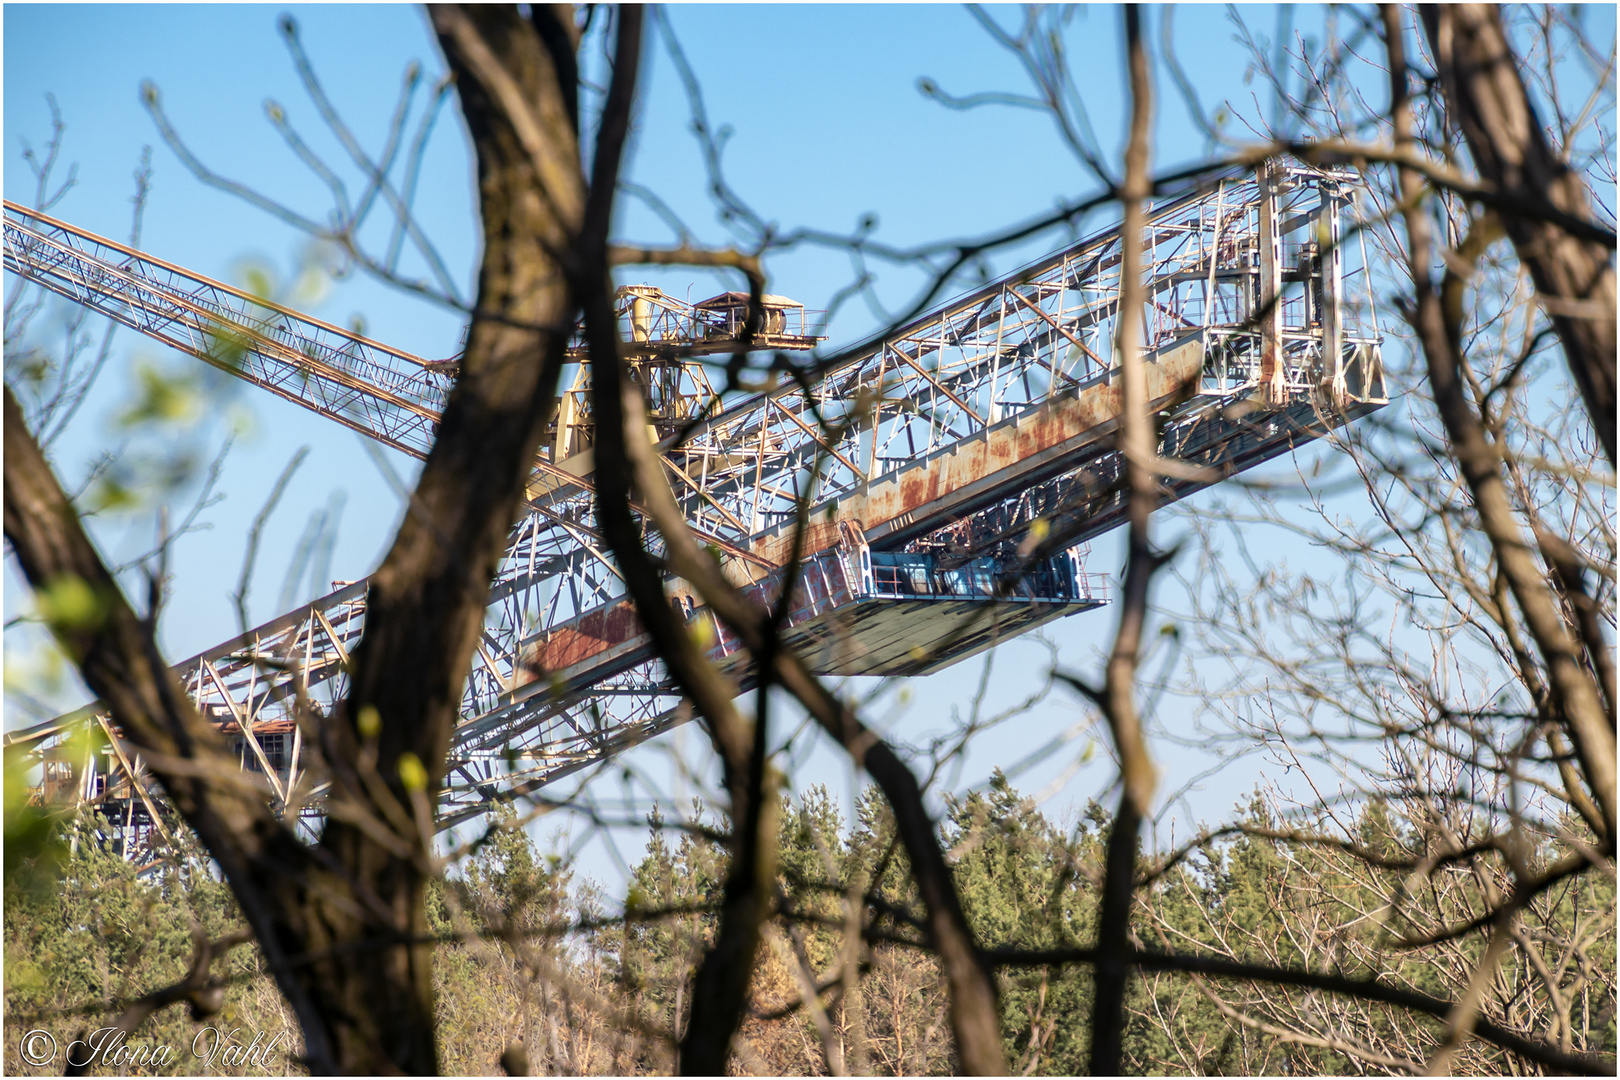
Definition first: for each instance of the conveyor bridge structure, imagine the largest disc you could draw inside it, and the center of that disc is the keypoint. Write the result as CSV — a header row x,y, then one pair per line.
x,y
931,453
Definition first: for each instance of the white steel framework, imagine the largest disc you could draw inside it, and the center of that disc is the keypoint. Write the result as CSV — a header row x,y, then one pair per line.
x,y
926,455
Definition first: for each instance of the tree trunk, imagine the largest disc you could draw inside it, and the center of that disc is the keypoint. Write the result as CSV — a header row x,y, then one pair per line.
x,y
1574,277
425,607
343,925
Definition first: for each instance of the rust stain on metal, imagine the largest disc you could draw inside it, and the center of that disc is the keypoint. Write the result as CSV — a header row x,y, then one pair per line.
x,y
1060,426
583,638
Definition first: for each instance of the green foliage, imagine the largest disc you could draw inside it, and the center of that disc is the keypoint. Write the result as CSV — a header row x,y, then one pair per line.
x,y
1021,889
33,841
69,605
84,939
162,397
529,954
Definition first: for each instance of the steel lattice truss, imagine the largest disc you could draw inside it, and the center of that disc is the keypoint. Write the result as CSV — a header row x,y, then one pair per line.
x,y
926,455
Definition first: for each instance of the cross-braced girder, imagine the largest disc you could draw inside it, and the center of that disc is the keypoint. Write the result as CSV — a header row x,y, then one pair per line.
x,y
943,440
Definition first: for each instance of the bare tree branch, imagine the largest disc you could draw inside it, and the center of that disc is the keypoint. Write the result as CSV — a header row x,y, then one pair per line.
x,y
1117,700
1573,273
1437,320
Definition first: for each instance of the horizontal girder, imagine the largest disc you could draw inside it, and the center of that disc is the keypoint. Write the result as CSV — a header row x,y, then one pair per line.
x,y
948,437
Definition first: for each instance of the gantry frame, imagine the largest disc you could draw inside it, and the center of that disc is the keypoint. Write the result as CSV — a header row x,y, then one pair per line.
x,y
947,437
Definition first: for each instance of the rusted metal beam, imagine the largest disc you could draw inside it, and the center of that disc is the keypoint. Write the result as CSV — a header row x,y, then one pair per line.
x,y
948,475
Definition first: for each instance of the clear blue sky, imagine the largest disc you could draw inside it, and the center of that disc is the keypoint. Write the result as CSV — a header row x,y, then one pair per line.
x,y
829,125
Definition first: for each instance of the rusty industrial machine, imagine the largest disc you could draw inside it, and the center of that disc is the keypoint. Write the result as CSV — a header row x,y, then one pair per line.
x,y
928,455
